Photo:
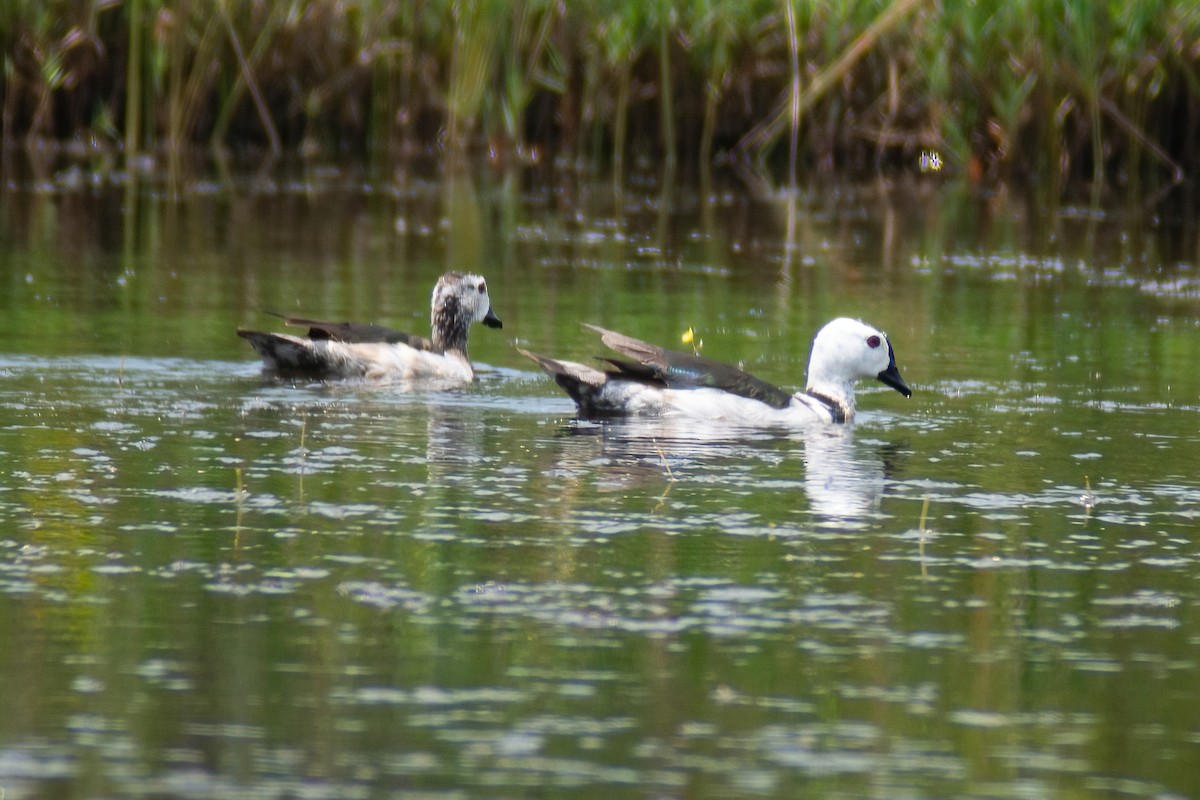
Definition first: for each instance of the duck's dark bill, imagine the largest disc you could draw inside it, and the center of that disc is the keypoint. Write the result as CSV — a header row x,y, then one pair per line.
x,y
492,321
891,376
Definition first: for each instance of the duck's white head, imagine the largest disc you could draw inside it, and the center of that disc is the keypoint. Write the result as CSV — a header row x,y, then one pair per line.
x,y
846,350
460,298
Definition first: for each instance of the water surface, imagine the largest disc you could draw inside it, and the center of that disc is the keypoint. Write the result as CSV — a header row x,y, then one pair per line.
x,y
216,584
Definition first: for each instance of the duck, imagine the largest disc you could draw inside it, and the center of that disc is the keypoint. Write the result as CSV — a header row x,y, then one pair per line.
x,y
654,381
337,350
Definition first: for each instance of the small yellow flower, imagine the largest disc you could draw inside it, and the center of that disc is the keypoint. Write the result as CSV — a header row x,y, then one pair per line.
x,y
689,337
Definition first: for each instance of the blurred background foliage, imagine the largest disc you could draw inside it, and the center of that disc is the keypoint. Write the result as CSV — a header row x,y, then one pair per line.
x,y
1102,94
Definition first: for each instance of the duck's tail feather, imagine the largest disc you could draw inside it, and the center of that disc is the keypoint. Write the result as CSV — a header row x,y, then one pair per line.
x,y
288,354
583,383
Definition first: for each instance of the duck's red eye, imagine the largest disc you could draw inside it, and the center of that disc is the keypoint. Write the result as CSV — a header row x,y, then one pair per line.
x,y
482,287
873,341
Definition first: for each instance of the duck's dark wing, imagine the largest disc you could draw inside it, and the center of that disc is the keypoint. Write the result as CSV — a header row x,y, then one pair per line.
x,y
654,364
358,333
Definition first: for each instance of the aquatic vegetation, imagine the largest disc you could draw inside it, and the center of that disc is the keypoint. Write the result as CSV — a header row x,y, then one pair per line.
x,y
1102,94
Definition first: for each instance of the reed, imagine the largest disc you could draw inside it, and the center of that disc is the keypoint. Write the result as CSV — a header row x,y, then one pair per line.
x,y
1066,93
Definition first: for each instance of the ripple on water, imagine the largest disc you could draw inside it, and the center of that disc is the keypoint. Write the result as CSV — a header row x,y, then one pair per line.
x,y
383,596
659,608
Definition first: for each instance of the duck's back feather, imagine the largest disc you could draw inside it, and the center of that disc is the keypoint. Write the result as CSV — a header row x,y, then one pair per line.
x,y
676,370
360,333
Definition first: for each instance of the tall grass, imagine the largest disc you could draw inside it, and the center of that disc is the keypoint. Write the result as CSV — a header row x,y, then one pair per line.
x,y
1100,93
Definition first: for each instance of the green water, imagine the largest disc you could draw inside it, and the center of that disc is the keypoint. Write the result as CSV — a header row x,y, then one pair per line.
x,y
215,585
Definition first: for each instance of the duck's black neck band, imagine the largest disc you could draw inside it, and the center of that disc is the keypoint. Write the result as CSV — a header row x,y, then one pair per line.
x,y
836,410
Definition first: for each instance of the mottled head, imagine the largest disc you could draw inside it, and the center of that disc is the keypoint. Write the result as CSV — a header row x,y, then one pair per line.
x,y
846,350
460,298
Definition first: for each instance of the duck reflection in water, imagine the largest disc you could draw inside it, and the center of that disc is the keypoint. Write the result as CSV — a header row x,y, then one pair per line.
x,y
844,478
842,475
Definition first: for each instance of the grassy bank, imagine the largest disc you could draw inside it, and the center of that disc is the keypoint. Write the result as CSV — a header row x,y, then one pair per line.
x,y
1102,92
